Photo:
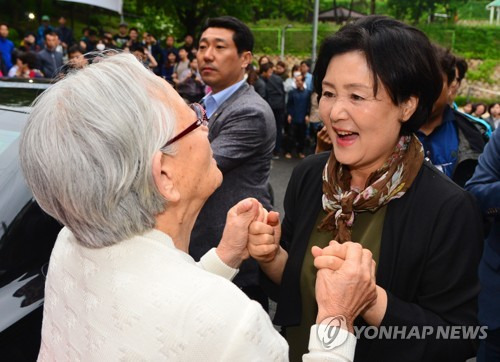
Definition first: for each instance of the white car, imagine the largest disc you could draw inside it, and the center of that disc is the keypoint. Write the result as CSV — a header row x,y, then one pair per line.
x,y
27,234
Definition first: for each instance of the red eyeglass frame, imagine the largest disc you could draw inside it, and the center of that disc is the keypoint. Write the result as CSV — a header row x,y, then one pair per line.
x,y
201,120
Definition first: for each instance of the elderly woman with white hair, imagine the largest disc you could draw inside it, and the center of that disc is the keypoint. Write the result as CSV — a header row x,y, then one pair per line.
x,y
115,155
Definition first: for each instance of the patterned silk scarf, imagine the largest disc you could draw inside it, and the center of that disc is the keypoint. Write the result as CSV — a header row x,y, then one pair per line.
x,y
391,181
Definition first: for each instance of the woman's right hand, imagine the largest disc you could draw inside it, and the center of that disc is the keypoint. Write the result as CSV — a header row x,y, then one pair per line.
x,y
264,237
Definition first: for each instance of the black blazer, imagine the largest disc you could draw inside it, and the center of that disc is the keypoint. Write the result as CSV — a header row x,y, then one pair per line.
x,y
430,250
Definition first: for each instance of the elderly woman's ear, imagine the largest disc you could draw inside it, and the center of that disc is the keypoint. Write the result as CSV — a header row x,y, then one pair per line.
x,y
408,107
163,178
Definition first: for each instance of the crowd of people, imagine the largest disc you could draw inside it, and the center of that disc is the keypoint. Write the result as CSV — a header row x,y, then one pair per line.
x,y
164,202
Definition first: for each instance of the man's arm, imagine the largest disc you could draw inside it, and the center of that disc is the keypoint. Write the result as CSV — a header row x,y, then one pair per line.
x,y
243,135
485,184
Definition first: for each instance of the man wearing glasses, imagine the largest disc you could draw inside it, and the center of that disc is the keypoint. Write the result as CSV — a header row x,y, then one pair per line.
x,y
242,134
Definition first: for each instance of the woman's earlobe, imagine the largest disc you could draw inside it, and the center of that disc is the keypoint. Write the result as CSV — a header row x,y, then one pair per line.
x,y
408,107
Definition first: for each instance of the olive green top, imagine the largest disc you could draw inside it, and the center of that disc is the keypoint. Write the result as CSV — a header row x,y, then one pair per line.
x,y
367,230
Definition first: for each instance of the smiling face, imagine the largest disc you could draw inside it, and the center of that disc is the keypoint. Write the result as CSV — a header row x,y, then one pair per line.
x,y
364,128
219,63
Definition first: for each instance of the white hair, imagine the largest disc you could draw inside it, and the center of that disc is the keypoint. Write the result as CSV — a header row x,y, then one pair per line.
x,y
88,147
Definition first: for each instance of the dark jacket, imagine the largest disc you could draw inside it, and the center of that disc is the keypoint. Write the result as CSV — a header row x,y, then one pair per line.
x,y
242,134
299,105
50,62
430,249
65,35
485,185
275,92
260,87
470,145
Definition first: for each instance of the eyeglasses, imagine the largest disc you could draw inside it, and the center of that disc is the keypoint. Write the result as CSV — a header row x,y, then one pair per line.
x,y
201,119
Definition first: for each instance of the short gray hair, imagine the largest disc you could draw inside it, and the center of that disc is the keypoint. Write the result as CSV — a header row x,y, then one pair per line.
x,y
88,146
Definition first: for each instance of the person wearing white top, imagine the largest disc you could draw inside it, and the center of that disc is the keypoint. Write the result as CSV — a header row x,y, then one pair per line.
x,y
127,180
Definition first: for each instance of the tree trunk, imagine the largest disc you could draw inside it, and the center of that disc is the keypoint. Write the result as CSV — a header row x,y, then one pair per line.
x,y
372,6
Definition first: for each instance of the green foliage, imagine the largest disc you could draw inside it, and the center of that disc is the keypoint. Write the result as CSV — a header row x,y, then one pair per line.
x,y
298,39
155,21
484,72
478,42
462,100
474,10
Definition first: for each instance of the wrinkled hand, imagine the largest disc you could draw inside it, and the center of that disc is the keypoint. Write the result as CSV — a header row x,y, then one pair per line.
x,y
345,281
264,238
232,248
323,141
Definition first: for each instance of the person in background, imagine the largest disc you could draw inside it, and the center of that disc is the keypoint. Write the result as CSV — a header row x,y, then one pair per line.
x,y
298,108
28,44
275,96
143,55
90,39
168,67
192,89
14,71
44,28
65,34
6,48
49,59
251,75
281,70
122,37
107,40
305,67
133,34
288,85
451,141
181,66
152,46
27,69
494,118
263,60
189,46
376,190
242,133
479,110
485,185
76,57
260,84
170,46
468,108
461,68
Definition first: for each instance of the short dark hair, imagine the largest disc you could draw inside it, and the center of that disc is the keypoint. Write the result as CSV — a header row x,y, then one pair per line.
x,y
398,55
447,62
136,47
134,29
242,37
462,68
306,62
281,64
49,32
28,58
265,67
75,48
491,106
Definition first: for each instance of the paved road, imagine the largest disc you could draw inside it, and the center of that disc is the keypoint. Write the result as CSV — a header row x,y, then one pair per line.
x,y
280,174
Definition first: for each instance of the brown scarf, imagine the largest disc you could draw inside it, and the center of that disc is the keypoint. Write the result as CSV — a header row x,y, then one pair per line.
x,y
389,182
